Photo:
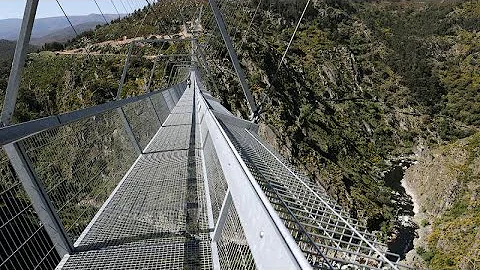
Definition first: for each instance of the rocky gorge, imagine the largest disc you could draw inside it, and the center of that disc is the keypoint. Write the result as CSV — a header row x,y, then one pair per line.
x,y
365,84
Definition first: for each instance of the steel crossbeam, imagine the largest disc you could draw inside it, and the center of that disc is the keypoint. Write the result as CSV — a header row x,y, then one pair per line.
x,y
233,56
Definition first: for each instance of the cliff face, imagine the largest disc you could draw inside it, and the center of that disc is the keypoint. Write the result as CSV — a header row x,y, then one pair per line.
x,y
446,185
363,83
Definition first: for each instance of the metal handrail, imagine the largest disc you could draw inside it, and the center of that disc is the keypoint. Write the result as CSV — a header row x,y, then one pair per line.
x,y
14,133
257,215
325,204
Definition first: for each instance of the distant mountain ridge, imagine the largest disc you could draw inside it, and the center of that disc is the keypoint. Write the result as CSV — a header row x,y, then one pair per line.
x,y
53,28
64,34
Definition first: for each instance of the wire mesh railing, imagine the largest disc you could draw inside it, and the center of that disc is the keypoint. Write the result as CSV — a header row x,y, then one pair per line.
x,y
143,120
238,212
77,163
233,249
232,246
216,180
323,230
24,242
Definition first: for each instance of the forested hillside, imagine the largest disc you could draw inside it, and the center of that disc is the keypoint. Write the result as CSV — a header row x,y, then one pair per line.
x,y
446,185
89,71
7,49
364,84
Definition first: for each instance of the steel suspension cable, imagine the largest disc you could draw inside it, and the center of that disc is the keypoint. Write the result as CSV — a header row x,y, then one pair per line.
x,y
130,5
135,4
114,6
126,11
293,35
154,66
68,19
128,53
253,17
143,21
101,12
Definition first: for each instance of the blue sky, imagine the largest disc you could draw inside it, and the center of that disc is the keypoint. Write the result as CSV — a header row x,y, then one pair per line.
x,y
49,8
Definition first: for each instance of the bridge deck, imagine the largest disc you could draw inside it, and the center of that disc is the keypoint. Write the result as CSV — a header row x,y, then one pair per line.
x,y
156,217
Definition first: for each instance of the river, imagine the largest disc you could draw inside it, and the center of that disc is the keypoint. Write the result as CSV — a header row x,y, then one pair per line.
x,y
405,227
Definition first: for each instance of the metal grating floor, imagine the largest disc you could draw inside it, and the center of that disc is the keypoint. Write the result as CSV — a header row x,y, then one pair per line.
x,y
156,218
179,119
319,232
170,137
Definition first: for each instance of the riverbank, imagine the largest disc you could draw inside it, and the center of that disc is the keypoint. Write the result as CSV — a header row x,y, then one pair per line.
x,y
412,258
444,186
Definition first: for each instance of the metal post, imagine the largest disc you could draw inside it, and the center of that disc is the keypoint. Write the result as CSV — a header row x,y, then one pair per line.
x,y
233,56
121,113
39,198
125,69
148,90
165,71
170,75
153,69
18,62
155,110
128,130
175,76
222,219
200,15
20,162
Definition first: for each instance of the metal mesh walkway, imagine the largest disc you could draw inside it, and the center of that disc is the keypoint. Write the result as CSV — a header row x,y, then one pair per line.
x,y
321,228
205,193
156,217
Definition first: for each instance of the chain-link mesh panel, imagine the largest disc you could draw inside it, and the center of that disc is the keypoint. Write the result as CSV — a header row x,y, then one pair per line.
x,y
24,243
216,180
233,250
174,95
143,121
160,106
316,222
80,164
